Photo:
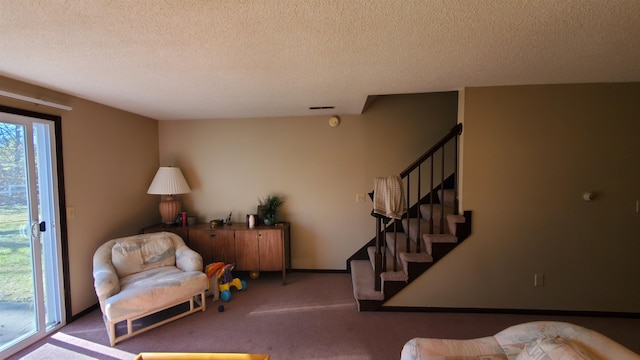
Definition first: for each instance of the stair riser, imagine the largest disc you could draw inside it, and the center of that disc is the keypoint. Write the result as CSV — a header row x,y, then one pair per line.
x,y
424,228
425,211
449,197
441,250
391,288
401,243
389,259
416,269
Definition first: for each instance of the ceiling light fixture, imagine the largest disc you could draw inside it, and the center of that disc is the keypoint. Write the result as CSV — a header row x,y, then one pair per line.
x,y
34,100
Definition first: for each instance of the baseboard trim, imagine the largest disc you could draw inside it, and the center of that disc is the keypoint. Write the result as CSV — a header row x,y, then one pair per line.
x,y
512,311
325,271
82,313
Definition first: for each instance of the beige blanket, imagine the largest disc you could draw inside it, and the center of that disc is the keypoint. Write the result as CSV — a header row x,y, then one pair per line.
x,y
388,196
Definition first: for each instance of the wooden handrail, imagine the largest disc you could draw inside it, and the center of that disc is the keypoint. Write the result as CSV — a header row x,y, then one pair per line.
x,y
455,131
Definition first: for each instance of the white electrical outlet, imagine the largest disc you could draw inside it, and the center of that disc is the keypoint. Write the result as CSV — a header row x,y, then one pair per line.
x,y
538,280
360,197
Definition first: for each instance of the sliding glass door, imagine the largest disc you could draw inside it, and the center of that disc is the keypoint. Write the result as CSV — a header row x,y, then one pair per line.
x,y
31,301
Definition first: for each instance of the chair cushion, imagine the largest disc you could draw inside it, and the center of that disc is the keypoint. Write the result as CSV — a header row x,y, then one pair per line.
x,y
152,289
554,349
142,252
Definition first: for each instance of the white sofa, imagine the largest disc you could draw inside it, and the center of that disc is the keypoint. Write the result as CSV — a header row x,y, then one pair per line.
x,y
541,340
145,281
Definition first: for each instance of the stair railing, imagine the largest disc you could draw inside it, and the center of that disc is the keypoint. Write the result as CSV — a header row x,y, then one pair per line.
x,y
415,170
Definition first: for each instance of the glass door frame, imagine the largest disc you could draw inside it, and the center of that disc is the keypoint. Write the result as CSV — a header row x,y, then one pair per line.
x,y
60,227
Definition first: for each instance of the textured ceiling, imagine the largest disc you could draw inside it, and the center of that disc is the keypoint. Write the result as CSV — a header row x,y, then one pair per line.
x,y
179,59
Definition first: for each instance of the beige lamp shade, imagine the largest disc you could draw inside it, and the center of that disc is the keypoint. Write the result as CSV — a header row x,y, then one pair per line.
x,y
169,181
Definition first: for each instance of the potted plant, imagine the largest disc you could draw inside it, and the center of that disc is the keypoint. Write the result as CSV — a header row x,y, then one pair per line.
x,y
269,207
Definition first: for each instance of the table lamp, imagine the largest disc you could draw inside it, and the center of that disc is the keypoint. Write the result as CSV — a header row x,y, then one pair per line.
x,y
168,182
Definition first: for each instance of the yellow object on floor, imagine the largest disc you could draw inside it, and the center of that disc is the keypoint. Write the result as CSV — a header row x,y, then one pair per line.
x,y
200,356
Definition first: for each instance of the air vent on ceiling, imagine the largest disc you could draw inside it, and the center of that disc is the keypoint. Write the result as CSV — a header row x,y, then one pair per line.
x,y
321,107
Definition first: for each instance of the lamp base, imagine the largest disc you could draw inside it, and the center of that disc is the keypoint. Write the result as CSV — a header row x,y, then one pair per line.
x,y
169,209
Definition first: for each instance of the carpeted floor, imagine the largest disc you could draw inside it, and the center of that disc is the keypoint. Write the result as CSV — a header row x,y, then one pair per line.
x,y
313,317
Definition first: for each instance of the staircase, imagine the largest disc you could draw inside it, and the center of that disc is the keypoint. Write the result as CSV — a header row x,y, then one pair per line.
x,y
405,248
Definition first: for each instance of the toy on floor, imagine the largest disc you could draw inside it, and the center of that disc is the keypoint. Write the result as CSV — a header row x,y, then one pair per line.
x,y
225,279
211,271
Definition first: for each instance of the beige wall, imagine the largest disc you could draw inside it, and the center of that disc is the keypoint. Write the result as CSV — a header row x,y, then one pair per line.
x,y
317,169
110,157
529,154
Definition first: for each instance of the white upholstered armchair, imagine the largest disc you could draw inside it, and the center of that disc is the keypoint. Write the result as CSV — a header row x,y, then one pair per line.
x,y
145,281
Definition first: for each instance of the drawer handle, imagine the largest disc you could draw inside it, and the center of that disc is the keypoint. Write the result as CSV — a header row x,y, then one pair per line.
x,y
213,235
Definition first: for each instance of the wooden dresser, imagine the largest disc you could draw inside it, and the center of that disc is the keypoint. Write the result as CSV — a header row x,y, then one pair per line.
x,y
263,248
